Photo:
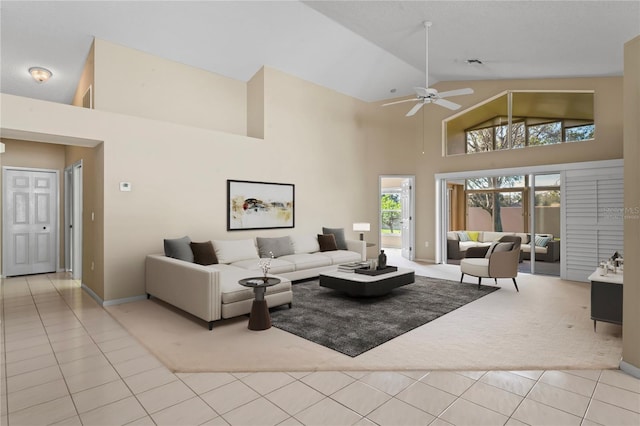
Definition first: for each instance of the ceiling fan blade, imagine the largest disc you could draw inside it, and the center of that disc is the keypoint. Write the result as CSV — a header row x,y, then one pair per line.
x,y
421,91
457,92
447,104
400,102
415,109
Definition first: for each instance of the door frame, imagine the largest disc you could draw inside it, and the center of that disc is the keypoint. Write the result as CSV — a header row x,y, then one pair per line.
x,y
73,219
57,211
561,168
412,213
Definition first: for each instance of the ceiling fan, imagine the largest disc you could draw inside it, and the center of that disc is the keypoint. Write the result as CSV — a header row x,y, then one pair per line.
x,y
427,95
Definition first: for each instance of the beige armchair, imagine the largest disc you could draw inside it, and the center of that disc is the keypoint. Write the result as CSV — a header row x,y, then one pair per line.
x,y
501,262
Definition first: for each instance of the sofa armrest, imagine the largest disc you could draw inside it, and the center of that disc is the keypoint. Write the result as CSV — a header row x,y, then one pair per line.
x,y
504,264
358,247
553,251
191,287
453,249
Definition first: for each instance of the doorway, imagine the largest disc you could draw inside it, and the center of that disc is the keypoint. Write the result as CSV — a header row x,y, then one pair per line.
x,y
397,212
527,205
73,219
30,227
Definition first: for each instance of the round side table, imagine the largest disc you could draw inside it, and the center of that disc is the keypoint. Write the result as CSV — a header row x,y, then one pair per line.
x,y
259,319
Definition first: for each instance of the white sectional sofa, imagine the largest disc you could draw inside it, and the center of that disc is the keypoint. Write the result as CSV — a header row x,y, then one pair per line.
x,y
211,292
456,247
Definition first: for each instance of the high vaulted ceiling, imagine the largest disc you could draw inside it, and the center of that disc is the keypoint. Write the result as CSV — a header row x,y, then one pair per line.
x,y
360,48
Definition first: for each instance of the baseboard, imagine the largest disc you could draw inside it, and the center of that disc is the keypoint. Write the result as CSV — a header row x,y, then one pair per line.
x,y
630,369
92,294
114,301
125,300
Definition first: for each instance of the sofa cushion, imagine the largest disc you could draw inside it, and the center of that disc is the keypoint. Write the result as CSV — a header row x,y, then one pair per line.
x,y
341,256
474,235
229,251
464,245
541,241
527,249
476,266
231,291
489,236
452,235
327,242
203,253
278,246
278,266
236,293
463,236
307,260
341,242
179,248
524,237
305,243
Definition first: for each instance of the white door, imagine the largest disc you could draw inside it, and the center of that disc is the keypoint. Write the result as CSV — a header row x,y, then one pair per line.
x,y
406,202
30,221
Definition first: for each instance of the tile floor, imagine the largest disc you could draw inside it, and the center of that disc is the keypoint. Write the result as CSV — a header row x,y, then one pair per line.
x,y
64,360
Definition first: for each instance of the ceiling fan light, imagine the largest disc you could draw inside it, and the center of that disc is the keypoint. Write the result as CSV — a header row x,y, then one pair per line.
x,y
40,74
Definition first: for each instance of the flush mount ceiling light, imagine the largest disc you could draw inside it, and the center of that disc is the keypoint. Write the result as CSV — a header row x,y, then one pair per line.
x,y
40,74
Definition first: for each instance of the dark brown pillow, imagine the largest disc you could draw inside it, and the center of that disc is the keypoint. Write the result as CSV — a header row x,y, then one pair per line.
x,y
327,242
203,253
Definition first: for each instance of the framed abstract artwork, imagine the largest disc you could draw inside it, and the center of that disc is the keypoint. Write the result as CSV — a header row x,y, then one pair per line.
x,y
259,205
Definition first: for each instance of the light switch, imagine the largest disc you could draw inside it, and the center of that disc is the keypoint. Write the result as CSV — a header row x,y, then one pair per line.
x,y
125,186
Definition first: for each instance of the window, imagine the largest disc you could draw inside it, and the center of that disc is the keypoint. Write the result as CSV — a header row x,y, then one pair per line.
x,y
391,212
579,133
495,203
544,134
521,119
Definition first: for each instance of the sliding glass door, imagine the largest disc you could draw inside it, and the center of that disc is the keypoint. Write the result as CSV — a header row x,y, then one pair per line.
x,y
525,204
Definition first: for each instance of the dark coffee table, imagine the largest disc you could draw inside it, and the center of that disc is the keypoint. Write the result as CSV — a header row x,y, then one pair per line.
x,y
366,285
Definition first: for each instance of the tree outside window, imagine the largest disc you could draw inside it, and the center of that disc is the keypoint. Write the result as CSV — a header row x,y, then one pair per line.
x,y
484,193
391,213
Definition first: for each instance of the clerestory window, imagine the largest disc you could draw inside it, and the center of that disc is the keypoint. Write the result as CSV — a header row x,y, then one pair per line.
x,y
521,119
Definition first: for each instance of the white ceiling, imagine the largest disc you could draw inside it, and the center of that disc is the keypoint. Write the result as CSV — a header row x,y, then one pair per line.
x,y
360,48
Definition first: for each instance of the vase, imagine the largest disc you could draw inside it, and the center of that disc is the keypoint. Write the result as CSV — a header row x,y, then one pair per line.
x,y
382,260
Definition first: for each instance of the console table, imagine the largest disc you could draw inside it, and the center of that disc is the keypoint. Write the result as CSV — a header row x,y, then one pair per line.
x,y
606,297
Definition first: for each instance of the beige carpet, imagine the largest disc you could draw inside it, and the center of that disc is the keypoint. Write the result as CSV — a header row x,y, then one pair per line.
x,y
545,326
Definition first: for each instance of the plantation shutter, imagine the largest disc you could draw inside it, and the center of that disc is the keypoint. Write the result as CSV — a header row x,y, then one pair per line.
x,y
594,212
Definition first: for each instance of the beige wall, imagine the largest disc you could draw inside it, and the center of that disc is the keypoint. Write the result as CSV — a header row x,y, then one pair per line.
x,y
631,297
92,223
255,105
606,145
37,156
132,82
86,79
314,139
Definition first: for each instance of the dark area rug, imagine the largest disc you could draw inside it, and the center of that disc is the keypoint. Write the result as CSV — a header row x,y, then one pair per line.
x,y
353,325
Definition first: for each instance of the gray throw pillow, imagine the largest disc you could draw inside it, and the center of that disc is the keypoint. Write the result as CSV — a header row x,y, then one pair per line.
x,y
338,233
179,248
278,246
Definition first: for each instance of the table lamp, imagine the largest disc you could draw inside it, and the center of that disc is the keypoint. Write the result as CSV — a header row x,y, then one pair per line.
x,y
361,227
